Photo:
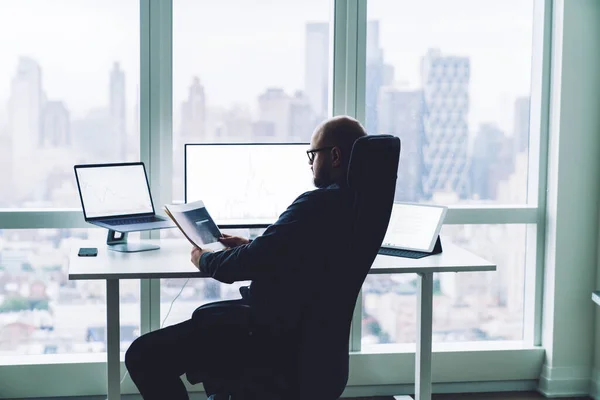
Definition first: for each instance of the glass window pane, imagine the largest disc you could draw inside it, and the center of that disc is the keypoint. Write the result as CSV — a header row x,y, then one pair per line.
x,y
69,77
257,74
452,80
467,306
41,310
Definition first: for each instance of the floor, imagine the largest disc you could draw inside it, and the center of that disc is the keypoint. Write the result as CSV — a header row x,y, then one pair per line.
x,y
478,396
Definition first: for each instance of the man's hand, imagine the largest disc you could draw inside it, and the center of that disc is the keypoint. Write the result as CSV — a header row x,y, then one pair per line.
x,y
196,254
233,241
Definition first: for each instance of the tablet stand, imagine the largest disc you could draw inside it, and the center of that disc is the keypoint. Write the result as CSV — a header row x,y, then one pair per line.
x,y
437,247
120,243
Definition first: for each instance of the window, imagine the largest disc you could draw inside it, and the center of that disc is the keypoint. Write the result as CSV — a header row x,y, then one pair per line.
x,y
452,79
248,76
41,310
68,94
467,306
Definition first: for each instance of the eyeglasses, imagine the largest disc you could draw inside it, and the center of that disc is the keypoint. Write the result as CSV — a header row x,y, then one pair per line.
x,y
311,153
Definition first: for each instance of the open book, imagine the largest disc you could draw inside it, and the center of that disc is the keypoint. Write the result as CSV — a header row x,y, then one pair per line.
x,y
196,224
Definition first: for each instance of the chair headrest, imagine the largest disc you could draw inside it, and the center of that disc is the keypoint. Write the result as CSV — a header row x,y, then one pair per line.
x,y
373,159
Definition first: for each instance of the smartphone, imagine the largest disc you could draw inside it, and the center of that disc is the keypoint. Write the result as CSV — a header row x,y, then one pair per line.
x,y
88,252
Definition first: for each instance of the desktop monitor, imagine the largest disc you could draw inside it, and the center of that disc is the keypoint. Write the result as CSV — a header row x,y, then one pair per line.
x,y
246,184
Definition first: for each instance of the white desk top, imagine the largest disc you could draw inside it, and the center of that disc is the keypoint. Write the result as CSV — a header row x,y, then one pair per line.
x,y
596,297
172,260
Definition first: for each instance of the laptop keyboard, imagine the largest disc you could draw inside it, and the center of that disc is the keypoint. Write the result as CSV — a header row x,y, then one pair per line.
x,y
386,251
136,220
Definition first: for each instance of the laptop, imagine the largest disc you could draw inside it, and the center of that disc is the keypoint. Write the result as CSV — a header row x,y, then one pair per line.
x,y
413,230
117,197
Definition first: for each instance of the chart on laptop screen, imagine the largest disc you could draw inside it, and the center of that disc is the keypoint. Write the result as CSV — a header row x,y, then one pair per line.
x,y
115,190
246,182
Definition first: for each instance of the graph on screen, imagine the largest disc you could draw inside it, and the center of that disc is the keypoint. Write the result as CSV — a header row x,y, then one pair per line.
x,y
114,190
242,182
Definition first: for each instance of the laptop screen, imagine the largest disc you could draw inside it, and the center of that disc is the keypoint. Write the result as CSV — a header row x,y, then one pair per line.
x,y
414,226
113,190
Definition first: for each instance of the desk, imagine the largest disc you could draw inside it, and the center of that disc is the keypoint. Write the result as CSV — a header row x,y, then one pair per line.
x,y
173,261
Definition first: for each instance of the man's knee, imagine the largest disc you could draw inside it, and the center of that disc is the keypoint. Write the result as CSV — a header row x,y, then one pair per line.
x,y
136,353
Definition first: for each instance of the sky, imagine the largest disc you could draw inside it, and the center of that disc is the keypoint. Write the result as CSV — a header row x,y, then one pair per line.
x,y
237,55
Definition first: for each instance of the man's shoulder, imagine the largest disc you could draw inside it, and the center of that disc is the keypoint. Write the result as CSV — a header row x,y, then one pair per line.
x,y
330,194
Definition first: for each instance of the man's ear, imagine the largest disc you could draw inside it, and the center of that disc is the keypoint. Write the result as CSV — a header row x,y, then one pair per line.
x,y
336,157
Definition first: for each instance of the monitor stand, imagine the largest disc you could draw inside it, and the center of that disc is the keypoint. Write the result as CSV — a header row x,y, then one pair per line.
x,y
120,243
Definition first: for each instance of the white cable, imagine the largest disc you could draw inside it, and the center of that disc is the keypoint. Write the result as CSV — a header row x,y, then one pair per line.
x,y
163,323
171,306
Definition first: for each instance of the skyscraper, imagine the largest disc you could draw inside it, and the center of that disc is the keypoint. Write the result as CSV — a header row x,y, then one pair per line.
x,y
24,113
301,118
25,106
316,73
274,108
55,125
378,74
117,113
521,124
445,82
192,130
6,164
193,112
400,114
492,162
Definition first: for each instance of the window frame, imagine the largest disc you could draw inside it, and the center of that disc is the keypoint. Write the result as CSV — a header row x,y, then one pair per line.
x,y
346,97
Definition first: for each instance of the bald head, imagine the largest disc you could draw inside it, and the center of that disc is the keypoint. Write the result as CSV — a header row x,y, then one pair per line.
x,y
335,138
339,131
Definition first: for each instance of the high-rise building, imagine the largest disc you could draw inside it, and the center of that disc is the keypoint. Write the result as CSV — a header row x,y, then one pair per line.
x,y
24,113
274,108
400,114
55,125
378,74
235,125
521,124
302,121
6,166
492,162
192,130
89,135
25,106
316,73
193,112
445,82
117,113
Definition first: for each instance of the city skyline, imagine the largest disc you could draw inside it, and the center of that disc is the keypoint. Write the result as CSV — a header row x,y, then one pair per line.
x,y
496,37
281,116
67,99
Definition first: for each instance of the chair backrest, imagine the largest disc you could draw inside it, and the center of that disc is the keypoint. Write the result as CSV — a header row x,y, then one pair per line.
x,y
323,357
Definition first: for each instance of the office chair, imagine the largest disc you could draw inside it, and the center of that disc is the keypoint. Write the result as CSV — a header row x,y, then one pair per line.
x,y
322,362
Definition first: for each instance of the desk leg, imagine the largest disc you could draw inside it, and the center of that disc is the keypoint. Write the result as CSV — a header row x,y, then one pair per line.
x,y
113,340
424,337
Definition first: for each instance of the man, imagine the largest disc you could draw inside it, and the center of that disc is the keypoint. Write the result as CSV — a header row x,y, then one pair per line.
x,y
283,265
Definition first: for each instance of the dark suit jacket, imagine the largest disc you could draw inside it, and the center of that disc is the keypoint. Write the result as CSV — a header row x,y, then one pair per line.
x,y
284,263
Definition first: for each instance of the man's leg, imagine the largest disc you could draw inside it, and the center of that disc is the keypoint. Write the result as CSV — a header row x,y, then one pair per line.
x,y
156,360
208,344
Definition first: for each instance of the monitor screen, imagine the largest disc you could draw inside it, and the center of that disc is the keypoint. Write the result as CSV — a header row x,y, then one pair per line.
x,y
414,226
252,183
113,190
